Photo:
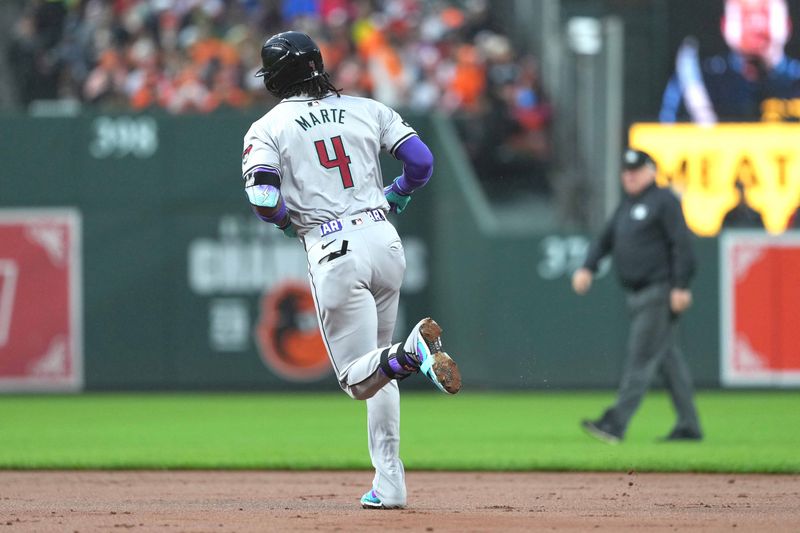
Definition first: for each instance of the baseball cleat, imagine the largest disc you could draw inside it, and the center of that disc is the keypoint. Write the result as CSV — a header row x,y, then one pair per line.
x,y
371,500
425,345
595,430
683,435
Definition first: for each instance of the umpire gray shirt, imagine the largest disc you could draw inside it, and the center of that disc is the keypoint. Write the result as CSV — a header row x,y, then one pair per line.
x,y
649,241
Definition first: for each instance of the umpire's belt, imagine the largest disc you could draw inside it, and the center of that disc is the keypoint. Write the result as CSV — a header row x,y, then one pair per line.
x,y
333,228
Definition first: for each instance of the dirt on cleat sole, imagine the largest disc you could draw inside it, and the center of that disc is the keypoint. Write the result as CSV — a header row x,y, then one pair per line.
x,y
443,366
431,332
447,371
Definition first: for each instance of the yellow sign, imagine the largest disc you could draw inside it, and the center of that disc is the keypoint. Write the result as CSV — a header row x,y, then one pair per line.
x,y
703,164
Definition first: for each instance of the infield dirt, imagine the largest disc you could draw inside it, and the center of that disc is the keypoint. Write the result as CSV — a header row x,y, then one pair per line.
x,y
220,501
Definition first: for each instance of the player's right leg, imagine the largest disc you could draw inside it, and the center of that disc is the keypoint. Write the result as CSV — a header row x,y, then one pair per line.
x,y
354,294
422,349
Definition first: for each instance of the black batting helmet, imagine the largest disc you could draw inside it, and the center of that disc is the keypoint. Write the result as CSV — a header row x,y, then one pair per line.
x,y
287,59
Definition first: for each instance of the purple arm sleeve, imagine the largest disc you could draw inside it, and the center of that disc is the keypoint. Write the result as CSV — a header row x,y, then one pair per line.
x,y
417,165
280,217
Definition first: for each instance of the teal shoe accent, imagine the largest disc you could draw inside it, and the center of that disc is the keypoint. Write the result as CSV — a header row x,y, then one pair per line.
x,y
370,500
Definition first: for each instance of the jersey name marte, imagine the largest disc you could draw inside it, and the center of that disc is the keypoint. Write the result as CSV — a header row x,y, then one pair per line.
x,y
326,116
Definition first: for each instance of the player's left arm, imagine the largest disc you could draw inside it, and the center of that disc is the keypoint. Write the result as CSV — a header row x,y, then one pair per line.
x,y
401,140
417,170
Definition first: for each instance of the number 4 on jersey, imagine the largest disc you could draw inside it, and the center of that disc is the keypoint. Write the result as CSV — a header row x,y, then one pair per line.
x,y
342,160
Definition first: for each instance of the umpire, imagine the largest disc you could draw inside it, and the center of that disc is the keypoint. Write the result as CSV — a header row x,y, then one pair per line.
x,y
650,244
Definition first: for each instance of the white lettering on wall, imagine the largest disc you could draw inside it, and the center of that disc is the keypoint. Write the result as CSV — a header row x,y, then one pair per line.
x,y
119,137
561,256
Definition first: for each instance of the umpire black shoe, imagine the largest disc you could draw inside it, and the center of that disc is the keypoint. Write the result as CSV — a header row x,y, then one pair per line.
x,y
678,435
596,430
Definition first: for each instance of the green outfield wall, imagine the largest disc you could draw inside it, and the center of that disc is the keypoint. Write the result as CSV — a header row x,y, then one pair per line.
x,y
182,288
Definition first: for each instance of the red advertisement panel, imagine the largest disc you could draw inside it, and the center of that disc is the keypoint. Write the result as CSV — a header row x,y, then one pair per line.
x,y
760,290
40,300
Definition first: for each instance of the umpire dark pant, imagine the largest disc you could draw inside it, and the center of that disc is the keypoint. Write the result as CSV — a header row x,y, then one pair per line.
x,y
653,346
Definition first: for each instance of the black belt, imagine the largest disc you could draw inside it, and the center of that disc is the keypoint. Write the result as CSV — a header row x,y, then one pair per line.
x,y
640,286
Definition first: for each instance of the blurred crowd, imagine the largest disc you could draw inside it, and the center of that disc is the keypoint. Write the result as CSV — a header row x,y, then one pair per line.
x,y
197,56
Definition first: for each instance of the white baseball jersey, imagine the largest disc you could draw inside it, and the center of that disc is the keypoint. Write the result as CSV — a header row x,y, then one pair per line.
x,y
326,154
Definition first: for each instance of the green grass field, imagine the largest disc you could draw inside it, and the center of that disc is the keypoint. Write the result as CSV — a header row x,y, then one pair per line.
x,y
745,432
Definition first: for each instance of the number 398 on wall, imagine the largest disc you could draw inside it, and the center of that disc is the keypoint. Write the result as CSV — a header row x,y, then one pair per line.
x,y
120,137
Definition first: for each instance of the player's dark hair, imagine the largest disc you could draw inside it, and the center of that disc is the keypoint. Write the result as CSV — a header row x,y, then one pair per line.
x,y
317,87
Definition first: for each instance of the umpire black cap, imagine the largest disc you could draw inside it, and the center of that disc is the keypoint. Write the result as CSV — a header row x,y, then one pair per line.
x,y
633,159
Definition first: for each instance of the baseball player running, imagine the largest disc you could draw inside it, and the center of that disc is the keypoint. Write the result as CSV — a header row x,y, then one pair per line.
x,y
310,166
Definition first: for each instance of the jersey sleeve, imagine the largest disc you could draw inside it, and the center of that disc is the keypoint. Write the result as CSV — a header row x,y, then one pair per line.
x,y
394,130
260,156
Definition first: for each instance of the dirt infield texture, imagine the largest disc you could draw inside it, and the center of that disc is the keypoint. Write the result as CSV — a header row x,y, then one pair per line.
x,y
328,501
